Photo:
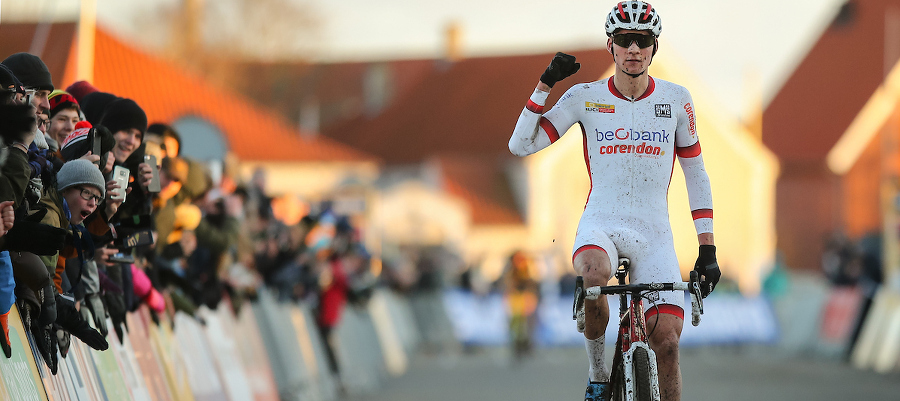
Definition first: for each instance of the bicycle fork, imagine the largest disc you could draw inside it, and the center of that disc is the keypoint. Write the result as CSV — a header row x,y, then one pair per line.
x,y
638,359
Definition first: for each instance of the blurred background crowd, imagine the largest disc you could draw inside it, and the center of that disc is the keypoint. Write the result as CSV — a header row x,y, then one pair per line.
x,y
76,253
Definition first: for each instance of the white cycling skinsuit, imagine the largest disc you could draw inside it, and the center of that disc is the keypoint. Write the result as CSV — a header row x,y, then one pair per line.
x,y
629,149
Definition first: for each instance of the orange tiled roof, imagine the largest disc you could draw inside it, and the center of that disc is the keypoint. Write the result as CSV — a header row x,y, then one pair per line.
x,y
467,107
167,92
830,86
15,38
338,88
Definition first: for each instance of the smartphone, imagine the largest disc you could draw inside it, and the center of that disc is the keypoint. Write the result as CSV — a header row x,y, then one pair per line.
x,y
121,258
154,181
120,175
95,150
139,238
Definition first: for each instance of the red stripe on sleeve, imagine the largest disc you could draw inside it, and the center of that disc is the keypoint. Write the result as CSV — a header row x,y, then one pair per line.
x,y
664,308
549,129
702,214
689,151
534,107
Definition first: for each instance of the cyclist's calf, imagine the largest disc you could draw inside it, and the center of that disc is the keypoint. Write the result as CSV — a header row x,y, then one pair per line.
x,y
665,331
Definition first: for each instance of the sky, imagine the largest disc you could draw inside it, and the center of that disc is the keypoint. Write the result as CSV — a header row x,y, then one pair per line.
x,y
723,42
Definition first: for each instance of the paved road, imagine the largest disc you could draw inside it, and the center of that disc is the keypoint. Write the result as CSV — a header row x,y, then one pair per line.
x,y
731,374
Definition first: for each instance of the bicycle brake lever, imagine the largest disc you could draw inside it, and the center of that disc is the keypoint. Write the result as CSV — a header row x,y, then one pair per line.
x,y
579,296
696,299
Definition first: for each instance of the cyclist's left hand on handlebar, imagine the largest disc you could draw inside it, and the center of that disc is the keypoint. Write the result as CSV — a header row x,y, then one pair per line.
x,y
708,269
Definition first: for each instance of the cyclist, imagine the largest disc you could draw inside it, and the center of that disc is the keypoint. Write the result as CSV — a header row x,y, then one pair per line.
x,y
633,127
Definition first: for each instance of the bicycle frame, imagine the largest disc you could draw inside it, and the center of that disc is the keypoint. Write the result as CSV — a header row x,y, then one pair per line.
x,y
632,343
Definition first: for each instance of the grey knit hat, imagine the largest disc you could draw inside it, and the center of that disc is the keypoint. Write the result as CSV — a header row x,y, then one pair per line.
x,y
80,171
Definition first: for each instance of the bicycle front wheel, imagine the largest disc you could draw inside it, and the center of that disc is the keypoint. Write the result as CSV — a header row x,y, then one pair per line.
x,y
643,391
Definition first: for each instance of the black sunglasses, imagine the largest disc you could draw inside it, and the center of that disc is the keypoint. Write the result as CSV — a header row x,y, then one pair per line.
x,y
625,40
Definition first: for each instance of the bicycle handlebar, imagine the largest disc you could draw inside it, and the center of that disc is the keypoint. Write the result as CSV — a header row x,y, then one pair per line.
x,y
692,286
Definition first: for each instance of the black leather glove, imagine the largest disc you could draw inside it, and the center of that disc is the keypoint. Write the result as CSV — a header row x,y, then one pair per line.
x,y
63,339
48,305
115,301
29,235
708,269
92,309
45,339
561,67
70,320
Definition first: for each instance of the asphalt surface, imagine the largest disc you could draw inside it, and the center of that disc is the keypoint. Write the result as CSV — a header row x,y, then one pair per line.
x,y
733,374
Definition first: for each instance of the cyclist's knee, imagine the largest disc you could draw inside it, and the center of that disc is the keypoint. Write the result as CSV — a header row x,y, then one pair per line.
x,y
594,267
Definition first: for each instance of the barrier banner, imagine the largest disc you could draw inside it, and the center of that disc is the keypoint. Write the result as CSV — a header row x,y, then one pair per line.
x,y
322,384
840,313
76,376
201,368
144,359
219,330
360,358
477,320
395,358
170,357
283,349
110,374
20,378
401,313
254,358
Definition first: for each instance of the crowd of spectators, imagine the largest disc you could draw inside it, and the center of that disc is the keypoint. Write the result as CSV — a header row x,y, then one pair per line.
x,y
80,244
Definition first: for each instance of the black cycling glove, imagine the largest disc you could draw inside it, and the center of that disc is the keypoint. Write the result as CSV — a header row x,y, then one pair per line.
x,y
708,269
561,67
70,320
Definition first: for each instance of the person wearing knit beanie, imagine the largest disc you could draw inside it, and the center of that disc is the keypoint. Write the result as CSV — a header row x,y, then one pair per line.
x,y
165,135
82,186
81,141
64,115
93,104
81,89
34,74
11,88
128,123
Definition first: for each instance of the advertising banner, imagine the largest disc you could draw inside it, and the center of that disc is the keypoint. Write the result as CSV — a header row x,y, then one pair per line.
x,y
20,378
170,357
253,355
219,330
138,343
199,363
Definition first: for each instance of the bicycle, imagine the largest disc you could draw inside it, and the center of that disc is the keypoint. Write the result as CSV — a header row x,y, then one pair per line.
x,y
634,374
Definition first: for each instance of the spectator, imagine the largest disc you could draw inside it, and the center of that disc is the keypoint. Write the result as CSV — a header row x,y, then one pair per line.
x,y
93,105
81,89
64,114
35,75
164,135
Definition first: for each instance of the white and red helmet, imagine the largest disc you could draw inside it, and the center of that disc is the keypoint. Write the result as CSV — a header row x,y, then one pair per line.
x,y
634,15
